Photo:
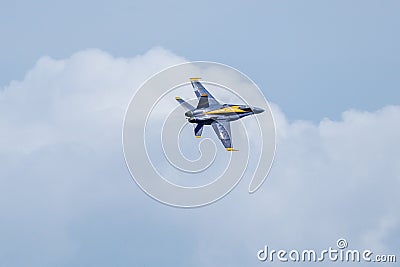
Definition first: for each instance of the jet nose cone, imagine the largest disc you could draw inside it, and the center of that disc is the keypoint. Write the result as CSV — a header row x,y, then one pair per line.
x,y
258,110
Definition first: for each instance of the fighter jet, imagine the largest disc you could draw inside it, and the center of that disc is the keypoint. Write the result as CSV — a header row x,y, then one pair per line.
x,y
211,112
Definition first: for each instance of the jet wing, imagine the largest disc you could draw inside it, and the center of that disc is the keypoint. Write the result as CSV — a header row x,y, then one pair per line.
x,y
200,92
223,130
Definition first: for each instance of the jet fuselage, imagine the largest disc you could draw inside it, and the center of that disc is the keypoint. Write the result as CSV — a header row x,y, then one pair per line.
x,y
228,112
210,112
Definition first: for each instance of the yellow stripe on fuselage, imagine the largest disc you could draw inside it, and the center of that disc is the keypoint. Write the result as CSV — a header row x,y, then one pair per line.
x,y
232,109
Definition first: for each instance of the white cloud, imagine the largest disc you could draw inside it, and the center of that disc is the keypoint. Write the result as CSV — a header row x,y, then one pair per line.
x,y
72,99
61,150
353,165
66,197
335,179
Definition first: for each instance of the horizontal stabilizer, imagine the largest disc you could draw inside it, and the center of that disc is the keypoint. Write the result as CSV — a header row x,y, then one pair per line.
x,y
185,104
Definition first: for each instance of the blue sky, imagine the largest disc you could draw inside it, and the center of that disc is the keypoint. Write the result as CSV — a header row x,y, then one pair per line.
x,y
70,68
328,56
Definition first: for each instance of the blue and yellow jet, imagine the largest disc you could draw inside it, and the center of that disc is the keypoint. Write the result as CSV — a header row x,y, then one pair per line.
x,y
210,112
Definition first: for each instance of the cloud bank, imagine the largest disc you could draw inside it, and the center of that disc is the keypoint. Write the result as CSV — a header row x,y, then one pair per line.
x,y
66,197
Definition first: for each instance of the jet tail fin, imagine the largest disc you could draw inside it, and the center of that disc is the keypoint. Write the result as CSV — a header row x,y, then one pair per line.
x,y
185,104
203,101
198,130
200,92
